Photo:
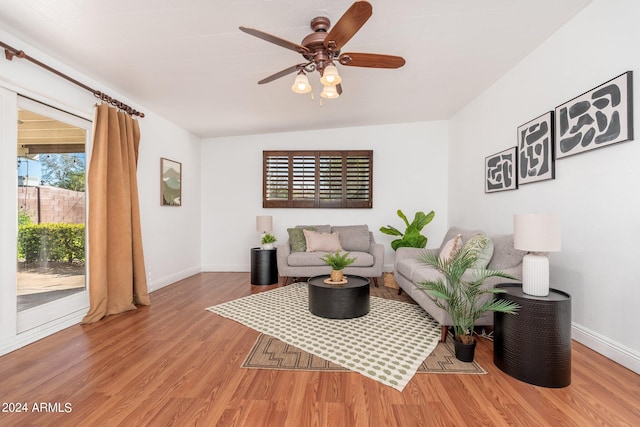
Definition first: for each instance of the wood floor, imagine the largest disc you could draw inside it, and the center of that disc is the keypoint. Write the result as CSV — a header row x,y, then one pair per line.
x,y
174,363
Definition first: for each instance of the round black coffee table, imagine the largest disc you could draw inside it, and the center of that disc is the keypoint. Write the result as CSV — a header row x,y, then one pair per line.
x,y
339,301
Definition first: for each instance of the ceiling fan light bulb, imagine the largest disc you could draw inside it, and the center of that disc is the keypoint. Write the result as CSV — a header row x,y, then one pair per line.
x,y
330,76
329,92
301,84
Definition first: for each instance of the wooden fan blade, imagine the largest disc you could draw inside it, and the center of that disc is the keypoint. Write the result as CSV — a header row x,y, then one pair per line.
x,y
339,88
281,73
275,40
349,24
371,60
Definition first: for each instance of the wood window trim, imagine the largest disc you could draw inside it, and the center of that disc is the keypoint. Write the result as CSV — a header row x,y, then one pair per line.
x,y
318,179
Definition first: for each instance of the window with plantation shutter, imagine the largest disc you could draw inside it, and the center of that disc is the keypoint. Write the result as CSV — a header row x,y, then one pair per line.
x,y
317,179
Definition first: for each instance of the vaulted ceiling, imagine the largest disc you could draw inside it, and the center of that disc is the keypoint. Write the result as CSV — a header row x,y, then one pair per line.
x,y
187,61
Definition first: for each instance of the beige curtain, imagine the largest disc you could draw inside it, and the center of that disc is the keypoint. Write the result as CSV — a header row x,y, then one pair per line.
x,y
117,279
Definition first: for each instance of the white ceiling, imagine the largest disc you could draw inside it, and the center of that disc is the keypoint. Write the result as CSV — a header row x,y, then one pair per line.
x,y
187,61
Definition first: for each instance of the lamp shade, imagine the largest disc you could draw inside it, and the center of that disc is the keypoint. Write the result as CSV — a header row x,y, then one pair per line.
x,y
329,92
536,233
301,84
264,223
330,76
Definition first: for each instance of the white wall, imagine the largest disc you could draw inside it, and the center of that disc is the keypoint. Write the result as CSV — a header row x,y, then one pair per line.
x,y
171,236
409,173
595,193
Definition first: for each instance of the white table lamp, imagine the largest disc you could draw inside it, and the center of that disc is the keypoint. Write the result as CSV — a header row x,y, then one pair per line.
x,y
264,223
538,235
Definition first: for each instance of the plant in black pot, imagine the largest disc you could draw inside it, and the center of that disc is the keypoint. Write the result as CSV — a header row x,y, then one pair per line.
x,y
460,292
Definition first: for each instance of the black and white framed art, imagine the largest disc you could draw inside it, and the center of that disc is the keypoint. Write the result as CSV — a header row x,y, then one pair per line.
x,y
500,171
535,150
597,118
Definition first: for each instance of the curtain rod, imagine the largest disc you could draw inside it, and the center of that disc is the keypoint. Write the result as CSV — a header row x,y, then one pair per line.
x,y
10,53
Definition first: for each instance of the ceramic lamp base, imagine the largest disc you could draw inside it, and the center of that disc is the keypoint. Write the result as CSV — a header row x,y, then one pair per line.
x,y
535,275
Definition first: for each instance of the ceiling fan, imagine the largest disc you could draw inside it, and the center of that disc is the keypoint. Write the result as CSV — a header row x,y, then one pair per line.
x,y
322,49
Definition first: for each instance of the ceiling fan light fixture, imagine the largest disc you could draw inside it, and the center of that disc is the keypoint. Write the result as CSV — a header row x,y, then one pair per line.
x,y
301,84
329,92
330,76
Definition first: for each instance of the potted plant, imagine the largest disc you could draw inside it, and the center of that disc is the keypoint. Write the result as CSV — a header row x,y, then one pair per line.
x,y
411,237
338,261
461,298
267,241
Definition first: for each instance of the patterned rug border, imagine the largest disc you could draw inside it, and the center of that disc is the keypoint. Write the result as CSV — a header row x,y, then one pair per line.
x,y
404,334
441,361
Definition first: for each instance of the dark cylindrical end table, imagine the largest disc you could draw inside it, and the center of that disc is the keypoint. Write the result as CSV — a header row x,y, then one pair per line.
x,y
264,266
534,345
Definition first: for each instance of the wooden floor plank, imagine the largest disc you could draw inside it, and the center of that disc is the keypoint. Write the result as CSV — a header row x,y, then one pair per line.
x,y
174,363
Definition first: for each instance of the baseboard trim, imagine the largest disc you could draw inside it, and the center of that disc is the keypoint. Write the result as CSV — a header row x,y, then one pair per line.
x,y
613,350
226,268
160,283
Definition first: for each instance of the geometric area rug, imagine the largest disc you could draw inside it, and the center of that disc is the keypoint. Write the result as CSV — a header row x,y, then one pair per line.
x,y
387,345
270,353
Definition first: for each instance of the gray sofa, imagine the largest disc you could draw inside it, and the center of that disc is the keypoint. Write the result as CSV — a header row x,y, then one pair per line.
x,y
355,239
409,271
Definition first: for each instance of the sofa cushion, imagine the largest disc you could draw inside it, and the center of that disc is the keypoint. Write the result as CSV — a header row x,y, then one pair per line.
x,y
326,242
407,266
297,240
426,273
314,259
306,259
504,254
363,259
353,237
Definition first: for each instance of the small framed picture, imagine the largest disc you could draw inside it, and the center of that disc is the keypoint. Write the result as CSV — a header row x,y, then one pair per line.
x,y
536,161
597,118
500,171
170,182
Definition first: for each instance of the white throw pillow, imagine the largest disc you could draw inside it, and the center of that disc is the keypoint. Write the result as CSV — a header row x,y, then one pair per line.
x,y
325,242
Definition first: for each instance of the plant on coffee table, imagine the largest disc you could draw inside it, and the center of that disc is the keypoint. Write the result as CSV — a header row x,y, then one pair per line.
x,y
338,261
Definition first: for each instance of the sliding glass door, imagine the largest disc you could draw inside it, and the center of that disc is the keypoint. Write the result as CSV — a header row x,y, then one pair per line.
x,y
51,202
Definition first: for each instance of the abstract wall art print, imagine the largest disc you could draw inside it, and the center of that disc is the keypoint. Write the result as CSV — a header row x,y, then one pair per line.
x,y
597,118
170,182
535,150
500,171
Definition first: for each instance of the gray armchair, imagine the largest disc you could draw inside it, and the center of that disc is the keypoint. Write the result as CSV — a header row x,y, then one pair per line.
x,y
355,239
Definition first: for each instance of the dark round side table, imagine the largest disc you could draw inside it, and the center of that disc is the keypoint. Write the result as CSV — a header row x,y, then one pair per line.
x,y
264,266
534,345
339,301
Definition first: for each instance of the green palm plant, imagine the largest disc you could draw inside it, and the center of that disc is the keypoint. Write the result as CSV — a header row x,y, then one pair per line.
x,y
461,298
